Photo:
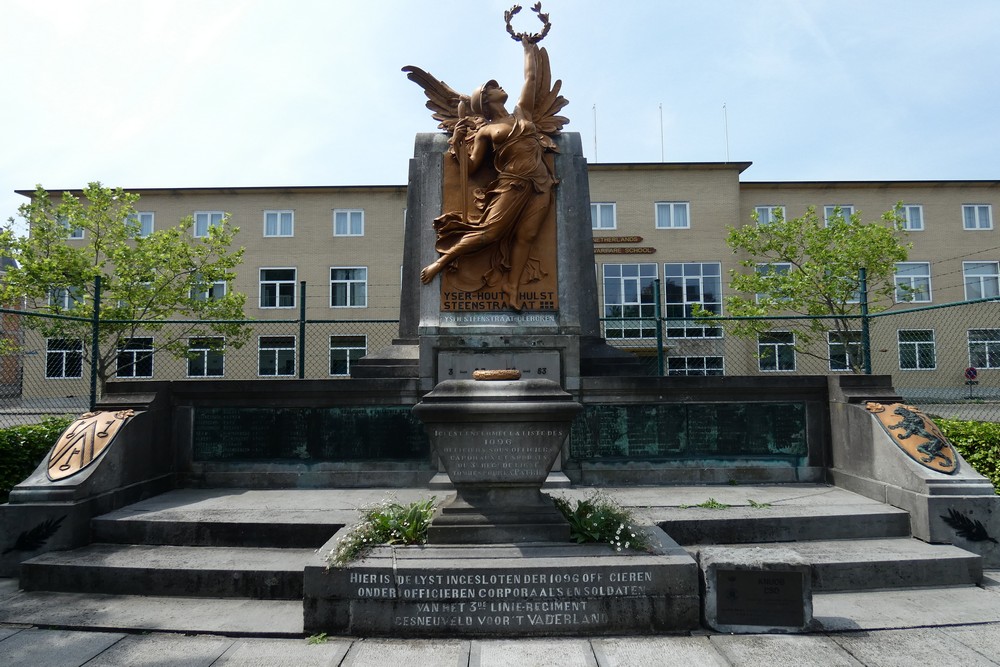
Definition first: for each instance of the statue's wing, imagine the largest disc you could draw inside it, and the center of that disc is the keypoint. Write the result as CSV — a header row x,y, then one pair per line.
x,y
441,98
548,101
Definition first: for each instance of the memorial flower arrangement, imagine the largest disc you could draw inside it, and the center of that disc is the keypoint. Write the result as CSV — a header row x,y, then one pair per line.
x,y
385,523
601,519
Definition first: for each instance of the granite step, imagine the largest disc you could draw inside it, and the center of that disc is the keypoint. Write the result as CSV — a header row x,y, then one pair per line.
x,y
130,569
743,524
889,563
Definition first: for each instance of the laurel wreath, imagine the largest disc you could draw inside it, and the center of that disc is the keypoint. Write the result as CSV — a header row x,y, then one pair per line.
x,y
532,38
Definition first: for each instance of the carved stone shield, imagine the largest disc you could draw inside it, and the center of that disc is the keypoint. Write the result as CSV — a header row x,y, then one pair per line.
x,y
915,434
82,443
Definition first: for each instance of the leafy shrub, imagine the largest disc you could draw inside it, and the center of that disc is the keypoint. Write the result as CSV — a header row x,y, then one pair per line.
x,y
601,519
385,523
23,447
978,442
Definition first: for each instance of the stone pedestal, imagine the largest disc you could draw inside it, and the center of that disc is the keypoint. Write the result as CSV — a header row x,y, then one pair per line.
x,y
497,441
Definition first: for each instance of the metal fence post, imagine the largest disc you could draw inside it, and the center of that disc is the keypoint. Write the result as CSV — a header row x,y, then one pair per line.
x,y
866,341
302,330
95,345
658,313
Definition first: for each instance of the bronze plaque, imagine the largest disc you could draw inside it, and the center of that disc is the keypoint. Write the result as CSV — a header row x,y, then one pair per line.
x,y
83,442
760,598
915,434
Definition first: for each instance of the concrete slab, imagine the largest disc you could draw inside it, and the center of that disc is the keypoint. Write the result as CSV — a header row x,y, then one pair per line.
x,y
532,653
157,650
8,587
407,653
656,651
775,650
284,653
896,647
905,608
7,632
55,648
984,639
275,618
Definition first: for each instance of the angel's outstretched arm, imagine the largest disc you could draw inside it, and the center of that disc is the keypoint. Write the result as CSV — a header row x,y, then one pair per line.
x,y
527,101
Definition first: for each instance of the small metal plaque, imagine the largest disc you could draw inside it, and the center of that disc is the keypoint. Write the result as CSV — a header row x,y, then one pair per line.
x,y
461,365
765,598
915,434
83,442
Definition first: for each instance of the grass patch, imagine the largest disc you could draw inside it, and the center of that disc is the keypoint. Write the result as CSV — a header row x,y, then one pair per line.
x,y
758,506
710,504
599,519
386,523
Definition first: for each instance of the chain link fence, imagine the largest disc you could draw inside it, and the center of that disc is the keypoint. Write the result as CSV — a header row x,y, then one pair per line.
x,y
945,359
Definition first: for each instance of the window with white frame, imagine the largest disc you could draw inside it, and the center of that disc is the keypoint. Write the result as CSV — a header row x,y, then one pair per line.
x,y
917,351
844,348
209,291
673,215
695,366
344,351
603,215
205,357
982,279
774,271
977,216
913,282
277,288
913,217
768,214
984,348
348,287
629,296
72,231
204,220
63,358
687,286
831,211
143,222
65,298
348,222
776,351
276,356
135,358
279,223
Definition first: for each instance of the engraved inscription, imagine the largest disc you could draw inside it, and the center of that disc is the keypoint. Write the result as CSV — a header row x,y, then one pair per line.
x,y
501,454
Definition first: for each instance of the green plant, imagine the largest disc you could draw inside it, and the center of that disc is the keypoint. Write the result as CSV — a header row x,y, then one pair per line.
x,y
601,519
978,443
710,504
756,505
320,638
385,523
23,447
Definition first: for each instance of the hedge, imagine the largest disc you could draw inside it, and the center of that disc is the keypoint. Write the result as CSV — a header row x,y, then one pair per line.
x,y
978,442
23,447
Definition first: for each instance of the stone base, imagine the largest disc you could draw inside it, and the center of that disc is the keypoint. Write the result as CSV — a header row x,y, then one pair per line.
x,y
506,591
497,516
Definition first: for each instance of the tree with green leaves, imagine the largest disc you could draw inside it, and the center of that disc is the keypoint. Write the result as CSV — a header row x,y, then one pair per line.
x,y
808,266
146,277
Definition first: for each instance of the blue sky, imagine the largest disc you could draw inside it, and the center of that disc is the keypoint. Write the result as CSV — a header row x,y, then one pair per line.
x,y
175,93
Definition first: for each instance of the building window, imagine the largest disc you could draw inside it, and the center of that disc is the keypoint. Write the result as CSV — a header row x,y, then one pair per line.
x,y
344,351
776,351
276,356
278,223
844,211
913,217
916,350
977,216
349,287
628,293
72,232
982,279
143,223
65,298
63,358
205,357
913,282
135,358
775,270
348,222
695,366
277,288
984,348
672,215
603,215
209,292
203,220
689,285
768,214
845,350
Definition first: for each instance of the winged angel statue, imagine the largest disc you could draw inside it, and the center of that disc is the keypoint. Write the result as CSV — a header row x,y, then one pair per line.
x,y
505,216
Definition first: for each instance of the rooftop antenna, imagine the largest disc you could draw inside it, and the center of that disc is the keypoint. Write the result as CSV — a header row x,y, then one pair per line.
x,y
595,133
661,131
725,122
